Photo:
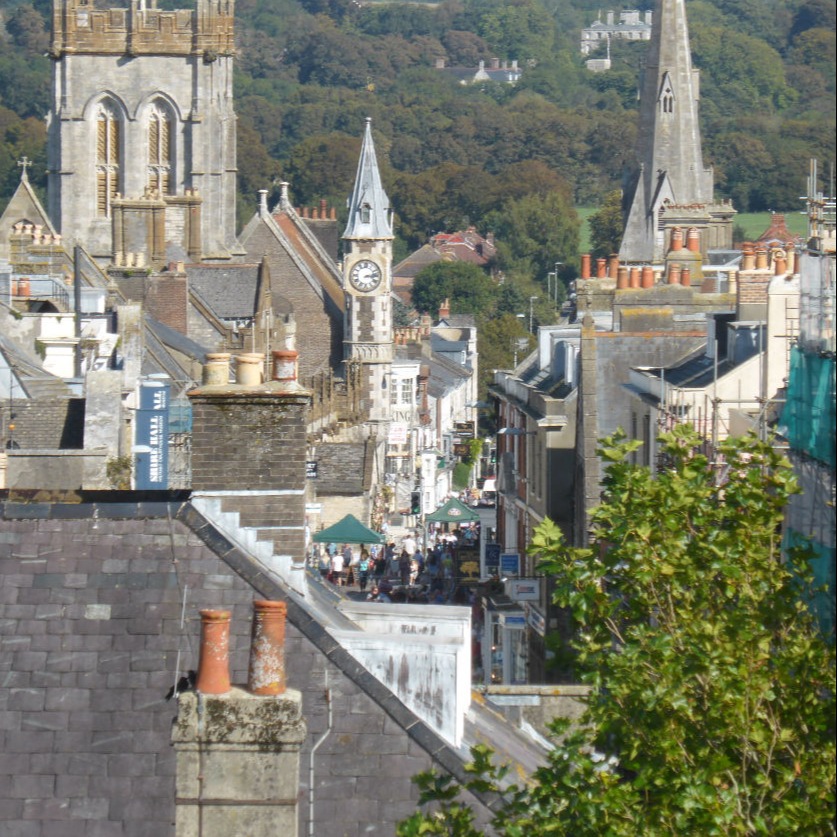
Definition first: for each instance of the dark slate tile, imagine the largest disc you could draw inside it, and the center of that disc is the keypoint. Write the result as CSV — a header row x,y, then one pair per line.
x,y
26,511
71,511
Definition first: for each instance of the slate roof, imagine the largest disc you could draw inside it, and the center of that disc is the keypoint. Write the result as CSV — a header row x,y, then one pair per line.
x,y
695,372
100,610
343,468
30,373
229,290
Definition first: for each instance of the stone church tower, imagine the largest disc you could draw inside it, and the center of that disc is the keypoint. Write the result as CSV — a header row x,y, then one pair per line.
x,y
671,188
367,282
142,133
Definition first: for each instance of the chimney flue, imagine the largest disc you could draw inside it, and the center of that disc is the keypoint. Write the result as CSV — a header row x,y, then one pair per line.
x,y
214,661
266,673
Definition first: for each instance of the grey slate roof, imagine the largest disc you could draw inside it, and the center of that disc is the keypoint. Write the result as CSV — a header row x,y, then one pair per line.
x,y
229,290
100,609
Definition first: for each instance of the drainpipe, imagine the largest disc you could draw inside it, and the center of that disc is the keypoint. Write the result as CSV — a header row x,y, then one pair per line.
x,y
77,312
314,749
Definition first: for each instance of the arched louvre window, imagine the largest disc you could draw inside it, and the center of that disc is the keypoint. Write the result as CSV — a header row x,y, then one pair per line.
x,y
159,150
107,158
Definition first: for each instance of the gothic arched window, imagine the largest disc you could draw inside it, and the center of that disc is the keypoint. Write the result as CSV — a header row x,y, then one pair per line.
x,y
108,154
159,150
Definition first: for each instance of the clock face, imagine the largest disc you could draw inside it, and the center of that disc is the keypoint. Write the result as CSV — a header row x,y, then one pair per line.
x,y
365,275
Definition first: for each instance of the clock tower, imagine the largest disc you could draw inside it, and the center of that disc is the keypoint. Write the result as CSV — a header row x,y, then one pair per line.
x,y
367,282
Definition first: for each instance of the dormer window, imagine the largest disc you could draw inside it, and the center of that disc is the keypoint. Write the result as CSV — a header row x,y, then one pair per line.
x,y
365,213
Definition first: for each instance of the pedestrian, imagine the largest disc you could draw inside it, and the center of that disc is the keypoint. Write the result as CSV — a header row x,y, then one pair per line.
x,y
363,570
337,569
405,563
324,563
349,564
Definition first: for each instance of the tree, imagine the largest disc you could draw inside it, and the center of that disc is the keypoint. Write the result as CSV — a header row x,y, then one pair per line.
x,y
712,709
606,226
468,288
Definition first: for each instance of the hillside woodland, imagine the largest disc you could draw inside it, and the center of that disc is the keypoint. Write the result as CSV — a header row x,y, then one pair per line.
x,y
506,159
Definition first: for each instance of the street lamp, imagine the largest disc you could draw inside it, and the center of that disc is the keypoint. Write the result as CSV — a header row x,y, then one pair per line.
x,y
557,265
531,302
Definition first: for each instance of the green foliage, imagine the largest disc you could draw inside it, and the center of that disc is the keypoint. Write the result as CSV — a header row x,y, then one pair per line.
x,y
118,471
461,475
606,226
468,288
713,706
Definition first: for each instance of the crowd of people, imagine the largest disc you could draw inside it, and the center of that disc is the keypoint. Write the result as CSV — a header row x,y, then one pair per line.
x,y
388,573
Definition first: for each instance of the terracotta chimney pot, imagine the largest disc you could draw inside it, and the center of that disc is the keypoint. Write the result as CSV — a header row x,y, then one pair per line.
x,y
780,266
674,274
266,673
601,268
622,278
732,282
248,369
790,257
633,280
444,309
761,258
693,240
214,661
686,277
748,257
285,365
647,277
216,370
676,240
585,266
613,266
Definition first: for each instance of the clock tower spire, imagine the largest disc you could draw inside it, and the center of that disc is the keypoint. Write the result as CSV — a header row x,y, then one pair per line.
x,y
367,282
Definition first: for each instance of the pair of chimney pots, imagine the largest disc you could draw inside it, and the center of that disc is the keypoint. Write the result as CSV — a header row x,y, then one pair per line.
x,y
266,671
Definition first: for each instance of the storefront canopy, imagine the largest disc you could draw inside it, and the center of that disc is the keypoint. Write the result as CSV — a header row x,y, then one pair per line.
x,y
348,530
452,511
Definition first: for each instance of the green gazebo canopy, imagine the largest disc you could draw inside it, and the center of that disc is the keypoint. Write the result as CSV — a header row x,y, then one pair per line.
x,y
452,511
348,530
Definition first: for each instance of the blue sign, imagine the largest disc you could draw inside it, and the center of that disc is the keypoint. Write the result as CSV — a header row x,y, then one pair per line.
x,y
151,449
510,563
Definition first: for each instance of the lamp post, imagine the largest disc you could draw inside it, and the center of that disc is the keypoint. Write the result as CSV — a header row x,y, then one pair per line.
x,y
531,310
557,265
550,277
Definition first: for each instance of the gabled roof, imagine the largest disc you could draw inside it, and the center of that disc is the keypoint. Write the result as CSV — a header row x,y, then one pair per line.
x,y
23,206
369,208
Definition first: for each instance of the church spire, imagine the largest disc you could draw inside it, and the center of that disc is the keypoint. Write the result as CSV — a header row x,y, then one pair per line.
x,y
369,209
669,155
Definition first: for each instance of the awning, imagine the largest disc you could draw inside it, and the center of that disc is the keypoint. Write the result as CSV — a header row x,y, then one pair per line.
x,y
348,530
452,511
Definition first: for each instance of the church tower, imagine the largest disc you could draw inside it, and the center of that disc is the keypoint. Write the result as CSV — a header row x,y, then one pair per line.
x,y
367,282
671,186
141,132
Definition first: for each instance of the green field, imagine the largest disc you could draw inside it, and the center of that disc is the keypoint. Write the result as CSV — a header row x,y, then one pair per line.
x,y
753,225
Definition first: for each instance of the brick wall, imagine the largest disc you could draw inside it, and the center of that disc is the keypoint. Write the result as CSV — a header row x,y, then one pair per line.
x,y
244,440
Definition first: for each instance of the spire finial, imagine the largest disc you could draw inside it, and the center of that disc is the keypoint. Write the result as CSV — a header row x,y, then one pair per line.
x,y
24,164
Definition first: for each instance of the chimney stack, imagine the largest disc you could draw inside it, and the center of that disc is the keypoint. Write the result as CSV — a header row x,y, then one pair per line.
x,y
237,751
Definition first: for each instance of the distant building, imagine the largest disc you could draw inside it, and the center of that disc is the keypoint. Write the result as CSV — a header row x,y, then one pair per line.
x,y
497,71
461,246
631,25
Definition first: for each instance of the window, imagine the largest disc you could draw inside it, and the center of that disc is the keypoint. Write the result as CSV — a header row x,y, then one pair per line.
x,y
407,391
159,151
107,158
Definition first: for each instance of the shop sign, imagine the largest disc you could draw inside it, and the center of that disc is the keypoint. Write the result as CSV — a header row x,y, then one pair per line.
x,y
524,589
510,563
